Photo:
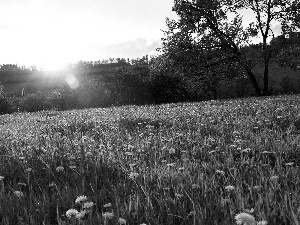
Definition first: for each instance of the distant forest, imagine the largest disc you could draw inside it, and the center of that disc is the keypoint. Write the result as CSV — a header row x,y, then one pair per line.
x,y
145,80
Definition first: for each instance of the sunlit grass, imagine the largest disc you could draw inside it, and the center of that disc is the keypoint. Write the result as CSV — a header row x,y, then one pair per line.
x,y
217,162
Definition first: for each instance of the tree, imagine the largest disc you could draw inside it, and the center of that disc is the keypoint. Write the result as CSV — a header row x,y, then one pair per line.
x,y
204,29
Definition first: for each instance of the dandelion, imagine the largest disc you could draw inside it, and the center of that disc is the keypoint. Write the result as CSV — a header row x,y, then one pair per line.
x,y
80,199
257,187
108,215
60,169
273,178
28,170
171,164
171,151
263,222
122,221
195,186
245,219
107,205
71,212
80,214
88,205
133,175
229,188
220,172
19,194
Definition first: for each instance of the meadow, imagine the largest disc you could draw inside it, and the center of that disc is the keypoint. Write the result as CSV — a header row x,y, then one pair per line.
x,y
213,162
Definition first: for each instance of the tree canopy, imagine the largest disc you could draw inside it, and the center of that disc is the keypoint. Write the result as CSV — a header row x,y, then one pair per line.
x,y
209,36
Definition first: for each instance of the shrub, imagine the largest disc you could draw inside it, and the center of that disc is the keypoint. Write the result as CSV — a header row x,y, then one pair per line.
x,y
34,102
5,106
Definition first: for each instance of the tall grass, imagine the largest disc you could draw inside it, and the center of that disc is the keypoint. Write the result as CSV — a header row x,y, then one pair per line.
x,y
192,163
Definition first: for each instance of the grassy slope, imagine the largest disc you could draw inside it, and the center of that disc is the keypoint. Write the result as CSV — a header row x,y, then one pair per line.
x,y
195,163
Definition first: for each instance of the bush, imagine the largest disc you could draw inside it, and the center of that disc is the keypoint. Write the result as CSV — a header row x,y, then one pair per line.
x,y
5,106
34,102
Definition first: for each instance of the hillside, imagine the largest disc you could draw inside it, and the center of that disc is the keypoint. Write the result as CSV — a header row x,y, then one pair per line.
x,y
166,164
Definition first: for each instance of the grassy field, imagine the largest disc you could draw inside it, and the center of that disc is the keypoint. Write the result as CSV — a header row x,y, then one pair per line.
x,y
216,162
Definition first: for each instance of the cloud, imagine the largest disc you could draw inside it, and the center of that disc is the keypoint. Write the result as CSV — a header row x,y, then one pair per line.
x,y
130,49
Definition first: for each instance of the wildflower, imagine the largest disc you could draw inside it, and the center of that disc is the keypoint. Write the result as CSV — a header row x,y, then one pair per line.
x,y
71,212
107,205
88,205
60,169
21,184
19,194
171,164
133,175
220,172
195,186
246,150
256,187
80,214
28,170
108,215
171,151
80,199
263,222
273,178
122,221
178,195
129,153
229,188
1,178
289,164
245,219
181,169
72,167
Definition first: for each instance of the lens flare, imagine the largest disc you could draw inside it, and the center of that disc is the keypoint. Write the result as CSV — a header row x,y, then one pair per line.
x,y
72,81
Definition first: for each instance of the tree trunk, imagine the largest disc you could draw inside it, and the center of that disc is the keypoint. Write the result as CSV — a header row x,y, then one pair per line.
x,y
266,79
253,81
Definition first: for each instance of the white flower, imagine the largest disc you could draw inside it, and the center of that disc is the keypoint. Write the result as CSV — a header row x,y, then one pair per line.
x,y
263,222
1,178
80,199
108,215
229,188
273,178
220,172
88,205
71,212
72,167
133,175
195,186
19,194
122,221
60,169
245,219
81,214
107,205
171,151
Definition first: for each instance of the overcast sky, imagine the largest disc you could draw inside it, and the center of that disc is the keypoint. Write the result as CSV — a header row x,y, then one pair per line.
x,y
52,32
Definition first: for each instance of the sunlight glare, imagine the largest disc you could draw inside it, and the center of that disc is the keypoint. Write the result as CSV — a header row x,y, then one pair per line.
x,y
72,81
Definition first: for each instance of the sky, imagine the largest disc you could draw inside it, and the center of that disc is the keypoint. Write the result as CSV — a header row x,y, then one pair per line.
x,y
50,33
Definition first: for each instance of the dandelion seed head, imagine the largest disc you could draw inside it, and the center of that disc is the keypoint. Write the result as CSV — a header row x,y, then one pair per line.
x,y
80,214
71,212
80,199
245,219
263,222
19,194
122,221
88,205
133,175
108,215
229,188
60,169
107,205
